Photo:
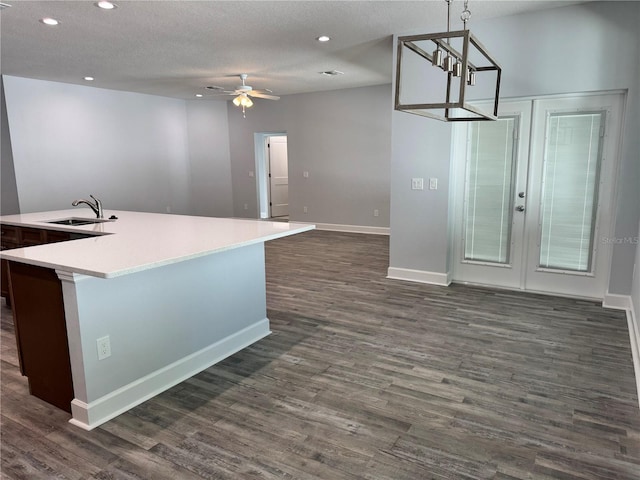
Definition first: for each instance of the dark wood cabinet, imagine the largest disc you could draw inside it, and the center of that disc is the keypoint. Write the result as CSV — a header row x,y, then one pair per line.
x,y
10,239
35,295
41,333
16,237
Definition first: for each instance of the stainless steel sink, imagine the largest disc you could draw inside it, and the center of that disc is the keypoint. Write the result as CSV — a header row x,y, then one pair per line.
x,y
77,221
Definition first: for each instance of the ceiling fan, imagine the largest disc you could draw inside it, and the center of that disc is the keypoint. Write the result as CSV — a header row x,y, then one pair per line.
x,y
243,93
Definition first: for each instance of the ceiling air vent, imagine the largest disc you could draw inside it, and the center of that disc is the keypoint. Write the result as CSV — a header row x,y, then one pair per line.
x,y
331,73
4,5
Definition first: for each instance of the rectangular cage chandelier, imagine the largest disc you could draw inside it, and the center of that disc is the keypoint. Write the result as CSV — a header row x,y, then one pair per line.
x,y
438,75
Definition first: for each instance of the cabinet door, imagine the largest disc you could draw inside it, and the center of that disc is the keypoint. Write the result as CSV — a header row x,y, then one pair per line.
x,y
32,236
10,236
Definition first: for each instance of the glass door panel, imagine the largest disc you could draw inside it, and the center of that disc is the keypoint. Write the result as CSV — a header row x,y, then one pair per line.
x,y
488,214
573,150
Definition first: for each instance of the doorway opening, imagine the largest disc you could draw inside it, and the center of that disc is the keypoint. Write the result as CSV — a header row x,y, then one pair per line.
x,y
272,177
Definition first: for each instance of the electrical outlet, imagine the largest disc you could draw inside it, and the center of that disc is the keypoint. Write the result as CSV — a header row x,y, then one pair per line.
x,y
305,210
251,174
305,174
376,213
104,347
246,206
168,209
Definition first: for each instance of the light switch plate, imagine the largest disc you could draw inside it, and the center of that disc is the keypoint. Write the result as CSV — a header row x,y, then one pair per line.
x,y
433,184
417,184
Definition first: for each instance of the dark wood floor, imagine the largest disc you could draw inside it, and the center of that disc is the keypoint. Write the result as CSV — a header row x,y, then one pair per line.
x,y
366,378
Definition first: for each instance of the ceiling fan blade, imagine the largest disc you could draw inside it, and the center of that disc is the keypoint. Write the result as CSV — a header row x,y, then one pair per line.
x,y
263,95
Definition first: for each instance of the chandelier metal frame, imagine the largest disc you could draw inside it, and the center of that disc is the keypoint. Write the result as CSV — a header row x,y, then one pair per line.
x,y
458,66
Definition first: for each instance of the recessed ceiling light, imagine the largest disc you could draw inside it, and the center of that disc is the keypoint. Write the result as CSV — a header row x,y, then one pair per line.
x,y
89,79
106,5
323,38
50,21
199,95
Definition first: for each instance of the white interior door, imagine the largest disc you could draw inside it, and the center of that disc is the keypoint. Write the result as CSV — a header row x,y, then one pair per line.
x,y
537,195
278,177
491,173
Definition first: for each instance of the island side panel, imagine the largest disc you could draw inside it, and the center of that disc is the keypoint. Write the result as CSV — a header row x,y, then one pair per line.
x,y
164,325
41,333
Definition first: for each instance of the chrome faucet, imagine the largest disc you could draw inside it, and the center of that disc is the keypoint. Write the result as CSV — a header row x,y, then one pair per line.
x,y
97,207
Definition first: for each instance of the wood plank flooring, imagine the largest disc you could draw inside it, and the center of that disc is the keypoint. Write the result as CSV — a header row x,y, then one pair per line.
x,y
365,378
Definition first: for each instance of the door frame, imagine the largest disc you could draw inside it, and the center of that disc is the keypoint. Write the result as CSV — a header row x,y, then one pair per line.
x,y
458,154
260,141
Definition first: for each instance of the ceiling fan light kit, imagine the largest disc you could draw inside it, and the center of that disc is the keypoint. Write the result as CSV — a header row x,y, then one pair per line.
x,y
446,68
243,94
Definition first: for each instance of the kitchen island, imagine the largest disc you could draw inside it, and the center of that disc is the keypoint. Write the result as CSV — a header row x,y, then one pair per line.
x,y
144,301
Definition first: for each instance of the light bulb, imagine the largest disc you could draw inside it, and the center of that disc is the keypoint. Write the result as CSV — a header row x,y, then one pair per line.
x,y
448,63
436,59
457,69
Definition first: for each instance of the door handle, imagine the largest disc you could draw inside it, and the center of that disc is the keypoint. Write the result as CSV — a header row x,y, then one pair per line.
x,y
521,194
520,208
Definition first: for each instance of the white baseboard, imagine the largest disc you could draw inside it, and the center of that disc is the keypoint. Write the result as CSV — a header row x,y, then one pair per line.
x,y
90,415
353,228
634,336
421,276
624,302
617,302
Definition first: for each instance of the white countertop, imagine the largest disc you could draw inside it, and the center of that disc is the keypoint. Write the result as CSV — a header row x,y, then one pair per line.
x,y
138,241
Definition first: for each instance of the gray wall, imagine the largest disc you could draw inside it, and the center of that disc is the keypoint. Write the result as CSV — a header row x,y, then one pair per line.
x,y
208,133
635,288
68,141
8,189
341,137
586,47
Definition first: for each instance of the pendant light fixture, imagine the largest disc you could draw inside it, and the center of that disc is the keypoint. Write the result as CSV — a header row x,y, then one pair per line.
x,y
459,69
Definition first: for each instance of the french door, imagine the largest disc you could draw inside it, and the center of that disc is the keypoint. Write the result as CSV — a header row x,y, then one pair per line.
x,y
534,195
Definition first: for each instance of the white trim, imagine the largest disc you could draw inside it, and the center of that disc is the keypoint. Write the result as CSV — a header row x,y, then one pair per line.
x,y
333,227
88,416
617,302
421,276
634,337
536,292
624,302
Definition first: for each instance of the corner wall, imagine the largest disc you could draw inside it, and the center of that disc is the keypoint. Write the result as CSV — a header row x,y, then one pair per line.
x,y
559,50
635,287
9,191
209,158
69,141
340,137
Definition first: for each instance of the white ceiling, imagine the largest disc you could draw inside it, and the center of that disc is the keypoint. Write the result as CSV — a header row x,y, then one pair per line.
x,y
176,48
